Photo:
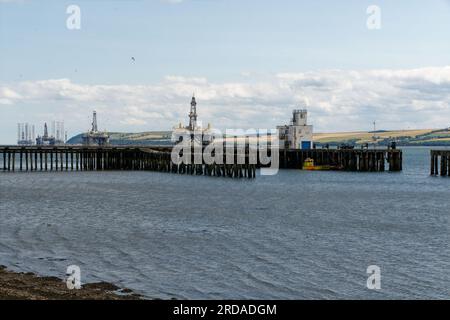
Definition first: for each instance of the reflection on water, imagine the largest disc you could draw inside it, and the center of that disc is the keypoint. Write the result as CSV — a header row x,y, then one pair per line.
x,y
291,236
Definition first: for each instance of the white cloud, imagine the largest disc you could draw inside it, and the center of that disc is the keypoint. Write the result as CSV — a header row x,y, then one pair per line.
x,y
337,100
7,96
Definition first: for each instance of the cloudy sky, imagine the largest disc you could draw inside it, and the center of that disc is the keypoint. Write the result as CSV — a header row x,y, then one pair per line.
x,y
249,63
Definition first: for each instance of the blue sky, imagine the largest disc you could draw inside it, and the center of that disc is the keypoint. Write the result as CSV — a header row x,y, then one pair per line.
x,y
249,62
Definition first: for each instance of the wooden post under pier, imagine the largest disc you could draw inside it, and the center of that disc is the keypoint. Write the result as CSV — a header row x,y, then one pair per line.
x,y
440,163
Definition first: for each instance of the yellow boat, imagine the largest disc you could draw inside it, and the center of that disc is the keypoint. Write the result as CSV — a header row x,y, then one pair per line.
x,y
308,164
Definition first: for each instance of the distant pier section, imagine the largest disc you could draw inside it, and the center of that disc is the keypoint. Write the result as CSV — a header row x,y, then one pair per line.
x,y
360,160
440,163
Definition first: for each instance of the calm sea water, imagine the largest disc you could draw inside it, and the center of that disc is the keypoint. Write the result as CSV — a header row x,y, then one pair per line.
x,y
296,235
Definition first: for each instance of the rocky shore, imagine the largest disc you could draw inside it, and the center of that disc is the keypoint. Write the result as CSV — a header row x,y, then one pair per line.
x,y
28,286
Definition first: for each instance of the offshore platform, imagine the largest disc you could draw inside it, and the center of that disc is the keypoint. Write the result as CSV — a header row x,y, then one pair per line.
x,y
25,134
45,139
58,137
194,129
95,137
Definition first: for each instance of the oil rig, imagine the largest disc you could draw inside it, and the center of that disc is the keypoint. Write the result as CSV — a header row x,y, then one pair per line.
x,y
57,138
194,129
95,137
45,139
25,134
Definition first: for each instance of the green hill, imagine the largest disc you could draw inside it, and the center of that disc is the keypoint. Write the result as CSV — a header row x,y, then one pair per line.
x,y
123,138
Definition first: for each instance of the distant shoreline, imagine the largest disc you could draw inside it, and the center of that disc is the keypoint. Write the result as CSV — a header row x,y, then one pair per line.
x,y
418,137
29,286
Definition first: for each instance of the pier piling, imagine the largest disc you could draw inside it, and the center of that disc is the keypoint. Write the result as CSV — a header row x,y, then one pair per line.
x,y
440,163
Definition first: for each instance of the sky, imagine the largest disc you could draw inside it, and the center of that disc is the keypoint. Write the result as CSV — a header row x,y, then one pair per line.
x,y
249,63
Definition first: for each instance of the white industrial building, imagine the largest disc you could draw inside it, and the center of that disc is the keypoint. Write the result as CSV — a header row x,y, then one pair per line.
x,y
298,134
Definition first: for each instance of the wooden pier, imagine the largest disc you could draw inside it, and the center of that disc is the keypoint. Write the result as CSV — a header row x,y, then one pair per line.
x,y
440,163
363,160
158,158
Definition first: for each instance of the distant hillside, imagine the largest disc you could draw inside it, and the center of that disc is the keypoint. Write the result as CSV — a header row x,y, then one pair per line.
x,y
122,138
423,137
